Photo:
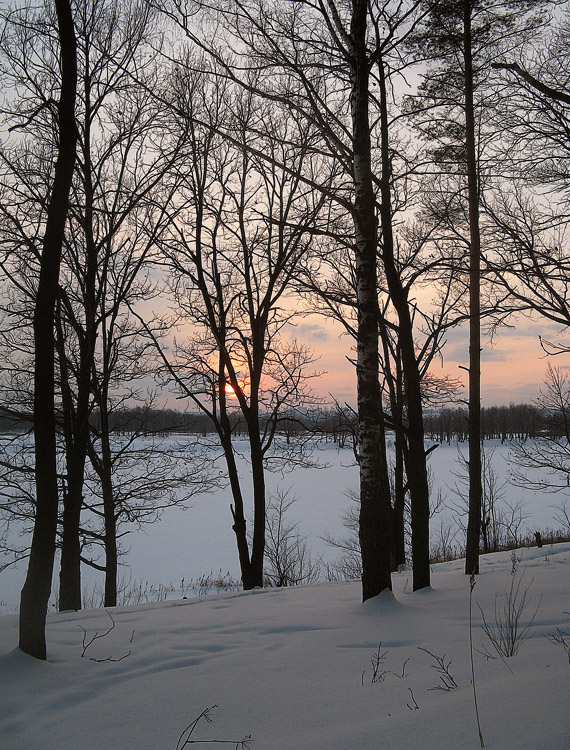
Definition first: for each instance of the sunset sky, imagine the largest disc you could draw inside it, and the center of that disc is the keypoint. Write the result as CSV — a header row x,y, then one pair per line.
x,y
513,365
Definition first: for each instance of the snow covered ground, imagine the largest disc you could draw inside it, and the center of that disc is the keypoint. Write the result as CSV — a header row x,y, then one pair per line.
x,y
294,668
189,544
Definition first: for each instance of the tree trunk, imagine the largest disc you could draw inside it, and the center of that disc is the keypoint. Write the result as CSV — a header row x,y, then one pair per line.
x,y
417,465
110,516
70,574
70,570
375,508
398,541
103,465
259,509
76,452
398,490
76,435
37,587
69,577
475,488
239,526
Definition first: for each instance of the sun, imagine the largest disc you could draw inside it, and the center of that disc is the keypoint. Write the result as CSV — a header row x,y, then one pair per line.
x,y
230,392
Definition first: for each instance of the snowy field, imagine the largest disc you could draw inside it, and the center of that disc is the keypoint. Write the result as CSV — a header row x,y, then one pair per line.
x,y
186,545
309,668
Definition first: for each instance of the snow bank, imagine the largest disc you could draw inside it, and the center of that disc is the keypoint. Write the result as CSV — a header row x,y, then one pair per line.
x,y
293,668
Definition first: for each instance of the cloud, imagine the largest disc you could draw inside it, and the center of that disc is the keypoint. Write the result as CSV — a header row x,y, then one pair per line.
x,y
460,353
535,328
456,348
512,342
311,332
492,354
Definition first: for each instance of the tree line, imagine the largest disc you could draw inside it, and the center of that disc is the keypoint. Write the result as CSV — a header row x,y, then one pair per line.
x,y
443,425
179,181
138,419
505,423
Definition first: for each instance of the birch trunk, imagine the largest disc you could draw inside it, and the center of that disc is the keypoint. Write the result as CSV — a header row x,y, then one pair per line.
x,y
375,508
475,489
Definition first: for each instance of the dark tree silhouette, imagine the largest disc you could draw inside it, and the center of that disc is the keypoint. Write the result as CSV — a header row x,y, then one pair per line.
x,y
37,588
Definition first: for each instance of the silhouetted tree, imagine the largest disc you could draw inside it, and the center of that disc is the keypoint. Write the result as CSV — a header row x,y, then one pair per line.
x,y
37,588
239,225
461,38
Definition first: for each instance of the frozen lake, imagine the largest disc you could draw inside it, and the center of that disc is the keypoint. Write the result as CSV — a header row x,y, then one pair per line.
x,y
199,541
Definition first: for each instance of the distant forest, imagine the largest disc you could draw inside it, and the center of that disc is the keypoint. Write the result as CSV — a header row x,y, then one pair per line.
x,y
512,422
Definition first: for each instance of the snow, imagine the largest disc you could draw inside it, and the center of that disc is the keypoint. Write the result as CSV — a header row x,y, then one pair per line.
x,y
292,668
200,541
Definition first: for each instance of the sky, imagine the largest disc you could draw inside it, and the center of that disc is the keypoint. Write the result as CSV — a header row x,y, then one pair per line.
x,y
513,365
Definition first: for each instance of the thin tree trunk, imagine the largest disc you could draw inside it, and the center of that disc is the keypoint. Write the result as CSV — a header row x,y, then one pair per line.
x,y
70,570
475,489
103,466
398,490
109,514
375,508
259,508
69,577
70,573
37,587
398,543
76,452
417,466
239,526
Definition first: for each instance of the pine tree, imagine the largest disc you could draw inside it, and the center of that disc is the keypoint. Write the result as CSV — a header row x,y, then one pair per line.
x,y
460,39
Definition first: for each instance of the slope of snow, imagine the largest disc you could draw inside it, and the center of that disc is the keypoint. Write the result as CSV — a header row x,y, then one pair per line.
x,y
293,668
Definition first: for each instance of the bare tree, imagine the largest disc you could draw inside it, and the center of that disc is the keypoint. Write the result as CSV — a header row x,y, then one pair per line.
x,y
135,476
529,261
116,217
543,464
117,209
107,190
348,565
501,519
351,42
236,235
287,557
37,588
